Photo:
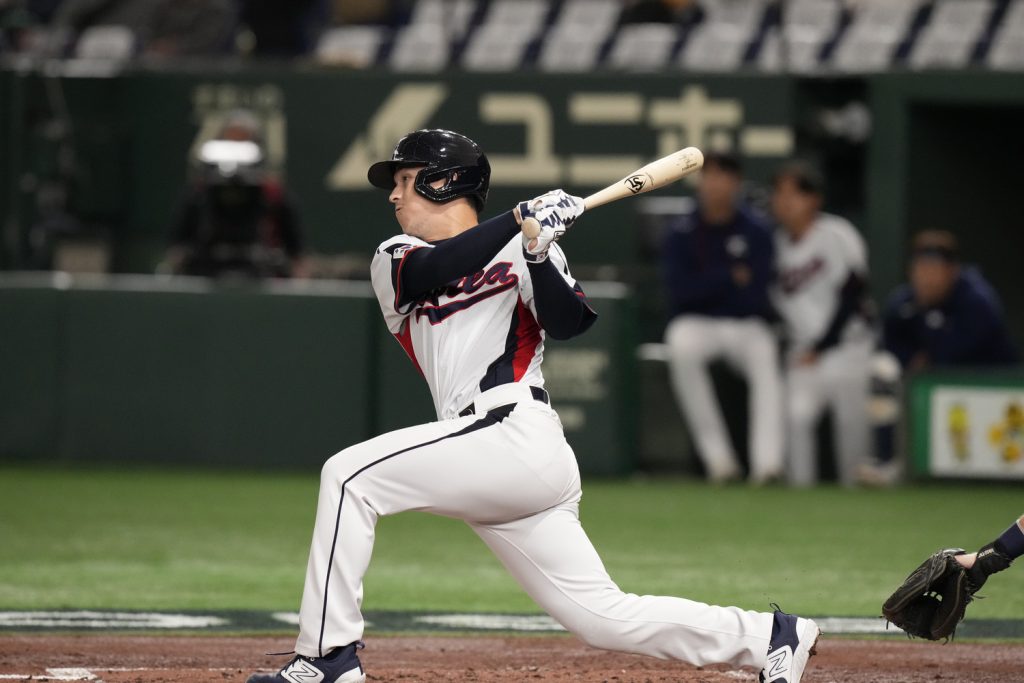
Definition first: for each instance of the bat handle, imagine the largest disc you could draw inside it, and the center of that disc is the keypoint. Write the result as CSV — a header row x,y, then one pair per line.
x,y
530,227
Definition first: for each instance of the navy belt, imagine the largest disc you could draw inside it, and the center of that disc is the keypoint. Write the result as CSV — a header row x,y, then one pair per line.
x,y
538,394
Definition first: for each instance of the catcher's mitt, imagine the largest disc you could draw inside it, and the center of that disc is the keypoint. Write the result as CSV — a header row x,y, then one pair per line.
x,y
933,599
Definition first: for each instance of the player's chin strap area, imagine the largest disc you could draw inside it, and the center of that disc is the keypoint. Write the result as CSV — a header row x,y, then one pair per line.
x,y
504,394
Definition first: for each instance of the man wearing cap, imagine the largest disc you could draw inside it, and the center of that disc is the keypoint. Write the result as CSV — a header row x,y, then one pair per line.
x,y
946,314
717,263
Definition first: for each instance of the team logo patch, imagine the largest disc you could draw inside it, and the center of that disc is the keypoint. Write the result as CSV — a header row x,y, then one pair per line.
x,y
778,665
399,253
301,671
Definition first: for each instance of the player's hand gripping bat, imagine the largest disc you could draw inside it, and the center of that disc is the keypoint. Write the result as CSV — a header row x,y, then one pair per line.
x,y
656,174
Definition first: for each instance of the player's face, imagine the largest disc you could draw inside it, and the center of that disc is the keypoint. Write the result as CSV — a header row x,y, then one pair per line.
x,y
793,208
931,279
718,188
412,209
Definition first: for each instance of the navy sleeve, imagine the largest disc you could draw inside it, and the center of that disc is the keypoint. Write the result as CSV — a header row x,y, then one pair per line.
x,y
762,261
562,309
688,286
899,333
850,298
975,325
422,270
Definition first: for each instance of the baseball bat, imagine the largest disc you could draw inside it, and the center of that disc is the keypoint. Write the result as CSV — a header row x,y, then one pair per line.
x,y
659,173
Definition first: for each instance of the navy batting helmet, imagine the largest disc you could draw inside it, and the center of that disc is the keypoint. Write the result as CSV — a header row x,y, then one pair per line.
x,y
445,155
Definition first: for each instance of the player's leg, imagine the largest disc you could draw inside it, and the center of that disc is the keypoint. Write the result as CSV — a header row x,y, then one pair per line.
x,y
692,343
550,555
846,371
803,405
493,466
753,350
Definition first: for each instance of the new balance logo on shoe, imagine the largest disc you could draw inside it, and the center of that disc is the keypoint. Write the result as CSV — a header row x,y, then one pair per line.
x,y
302,671
778,666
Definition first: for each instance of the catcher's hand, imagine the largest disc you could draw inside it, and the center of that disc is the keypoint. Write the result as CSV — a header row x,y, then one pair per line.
x,y
933,599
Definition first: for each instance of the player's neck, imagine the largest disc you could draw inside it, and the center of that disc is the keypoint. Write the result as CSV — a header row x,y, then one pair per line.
x,y
798,230
452,220
718,215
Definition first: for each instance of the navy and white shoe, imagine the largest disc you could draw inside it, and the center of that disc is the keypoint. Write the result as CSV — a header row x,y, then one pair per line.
x,y
339,666
792,644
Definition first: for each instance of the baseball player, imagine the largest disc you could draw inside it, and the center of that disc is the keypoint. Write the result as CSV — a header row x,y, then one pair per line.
x,y
718,265
821,265
472,304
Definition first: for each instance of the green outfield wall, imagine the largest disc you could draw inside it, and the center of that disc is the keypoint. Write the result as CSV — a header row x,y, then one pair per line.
x,y
137,370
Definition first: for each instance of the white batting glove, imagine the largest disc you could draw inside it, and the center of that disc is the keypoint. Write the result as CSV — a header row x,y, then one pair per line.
x,y
567,206
552,227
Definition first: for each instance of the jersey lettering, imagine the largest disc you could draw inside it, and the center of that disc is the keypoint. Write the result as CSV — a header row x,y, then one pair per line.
x,y
497,278
793,279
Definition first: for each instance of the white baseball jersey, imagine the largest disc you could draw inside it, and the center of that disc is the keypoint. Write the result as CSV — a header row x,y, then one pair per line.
x,y
811,273
475,333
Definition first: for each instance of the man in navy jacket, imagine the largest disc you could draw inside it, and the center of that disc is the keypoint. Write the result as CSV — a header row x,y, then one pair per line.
x,y
947,314
718,264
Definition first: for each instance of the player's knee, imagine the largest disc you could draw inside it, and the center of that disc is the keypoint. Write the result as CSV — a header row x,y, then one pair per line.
x,y
597,626
684,340
603,634
801,412
338,467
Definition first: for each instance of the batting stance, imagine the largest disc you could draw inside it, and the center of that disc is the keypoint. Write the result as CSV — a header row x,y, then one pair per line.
x,y
472,305
821,295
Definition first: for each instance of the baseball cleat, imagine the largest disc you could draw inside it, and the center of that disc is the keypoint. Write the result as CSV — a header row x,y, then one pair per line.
x,y
792,644
339,666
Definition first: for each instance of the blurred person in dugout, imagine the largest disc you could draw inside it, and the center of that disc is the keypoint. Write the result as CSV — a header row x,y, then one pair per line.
x,y
821,295
946,315
718,266
236,220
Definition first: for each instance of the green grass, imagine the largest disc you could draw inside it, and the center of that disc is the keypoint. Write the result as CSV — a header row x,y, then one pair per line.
x,y
173,540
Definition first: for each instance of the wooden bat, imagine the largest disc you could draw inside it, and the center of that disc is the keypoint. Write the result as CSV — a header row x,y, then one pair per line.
x,y
656,174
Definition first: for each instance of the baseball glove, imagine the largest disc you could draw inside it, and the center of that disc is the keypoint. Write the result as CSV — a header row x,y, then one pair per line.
x,y
933,599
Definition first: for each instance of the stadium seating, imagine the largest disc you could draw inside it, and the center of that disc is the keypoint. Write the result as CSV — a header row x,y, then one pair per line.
x,y
643,47
451,17
106,43
807,27
1007,49
951,34
878,28
420,48
575,40
798,36
720,42
500,42
355,46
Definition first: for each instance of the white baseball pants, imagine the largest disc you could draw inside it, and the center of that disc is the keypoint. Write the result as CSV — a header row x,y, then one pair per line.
x,y
510,474
838,381
749,346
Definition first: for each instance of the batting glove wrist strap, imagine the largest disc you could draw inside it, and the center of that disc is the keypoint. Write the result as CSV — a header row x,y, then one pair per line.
x,y
535,250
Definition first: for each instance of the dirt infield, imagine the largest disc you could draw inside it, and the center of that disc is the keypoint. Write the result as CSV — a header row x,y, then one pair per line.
x,y
518,659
